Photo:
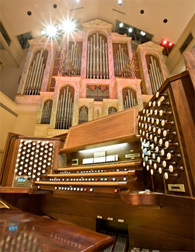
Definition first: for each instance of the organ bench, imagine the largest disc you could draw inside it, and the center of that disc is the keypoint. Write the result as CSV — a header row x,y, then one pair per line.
x,y
121,172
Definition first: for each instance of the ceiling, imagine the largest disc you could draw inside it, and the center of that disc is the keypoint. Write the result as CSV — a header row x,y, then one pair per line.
x,y
14,16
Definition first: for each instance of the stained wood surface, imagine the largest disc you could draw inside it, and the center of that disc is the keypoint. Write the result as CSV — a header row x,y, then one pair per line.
x,y
105,129
189,57
43,234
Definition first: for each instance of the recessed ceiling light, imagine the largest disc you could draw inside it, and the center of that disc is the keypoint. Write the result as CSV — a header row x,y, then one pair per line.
x,y
120,2
68,26
142,11
55,6
165,20
121,25
29,13
130,29
50,31
142,33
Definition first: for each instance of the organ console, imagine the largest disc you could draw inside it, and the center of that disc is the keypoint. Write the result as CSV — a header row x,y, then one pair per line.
x,y
141,185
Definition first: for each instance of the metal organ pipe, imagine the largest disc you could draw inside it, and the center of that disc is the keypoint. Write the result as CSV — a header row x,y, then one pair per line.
x,y
91,58
100,57
35,75
106,55
97,36
156,77
121,60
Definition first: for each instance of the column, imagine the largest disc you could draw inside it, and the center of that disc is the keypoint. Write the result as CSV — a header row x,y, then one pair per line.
x,y
145,73
75,106
40,111
25,70
46,76
55,105
110,56
90,116
84,55
120,98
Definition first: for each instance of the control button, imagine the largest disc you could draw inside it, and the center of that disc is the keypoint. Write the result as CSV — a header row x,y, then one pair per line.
x,y
166,175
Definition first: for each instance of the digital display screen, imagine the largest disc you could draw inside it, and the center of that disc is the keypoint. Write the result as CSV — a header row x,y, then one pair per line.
x,y
21,179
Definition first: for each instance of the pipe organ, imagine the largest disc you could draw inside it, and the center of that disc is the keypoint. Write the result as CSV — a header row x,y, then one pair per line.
x,y
35,73
129,98
70,61
112,182
97,57
65,108
155,73
129,171
46,113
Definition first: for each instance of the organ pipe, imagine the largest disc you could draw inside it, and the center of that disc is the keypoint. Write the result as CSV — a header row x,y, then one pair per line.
x,y
65,110
156,77
97,58
46,114
121,60
35,75
71,61
129,100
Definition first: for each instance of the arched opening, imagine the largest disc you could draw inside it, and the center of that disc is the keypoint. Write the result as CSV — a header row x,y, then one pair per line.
x,y
97,57
129,98
83,114
65,108
112,110
155,72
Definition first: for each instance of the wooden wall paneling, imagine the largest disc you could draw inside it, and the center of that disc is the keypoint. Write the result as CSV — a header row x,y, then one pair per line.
x,y
157,239
182,94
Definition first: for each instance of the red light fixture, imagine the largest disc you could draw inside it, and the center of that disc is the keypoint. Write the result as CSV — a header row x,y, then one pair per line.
x,y
164,42
170,44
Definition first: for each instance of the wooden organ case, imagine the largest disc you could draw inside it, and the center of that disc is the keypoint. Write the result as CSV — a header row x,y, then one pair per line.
x,y
144,190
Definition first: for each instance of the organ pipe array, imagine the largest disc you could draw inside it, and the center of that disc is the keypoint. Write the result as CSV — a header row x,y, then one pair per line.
x,y
64,110
35,75
120,62
129,100
156,77
46,114
97,57
70,61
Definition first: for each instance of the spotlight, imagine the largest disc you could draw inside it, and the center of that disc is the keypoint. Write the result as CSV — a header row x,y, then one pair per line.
x,y
130,29
120,2
77,1
170,44
50,31
142,33
43,32
68,26
164,42
121,25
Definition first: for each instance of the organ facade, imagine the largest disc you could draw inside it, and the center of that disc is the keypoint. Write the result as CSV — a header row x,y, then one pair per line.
x,y
90,74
